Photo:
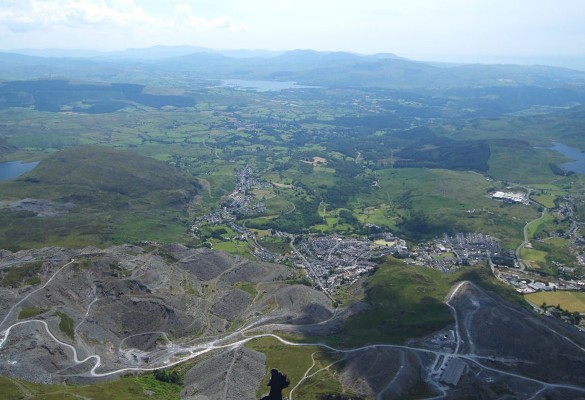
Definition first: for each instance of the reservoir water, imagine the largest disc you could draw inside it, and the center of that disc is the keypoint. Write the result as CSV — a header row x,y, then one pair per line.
x,y
575,154
262,86
12,169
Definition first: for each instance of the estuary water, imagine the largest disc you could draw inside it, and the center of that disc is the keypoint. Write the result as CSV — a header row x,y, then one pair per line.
x,y
570,152
13,169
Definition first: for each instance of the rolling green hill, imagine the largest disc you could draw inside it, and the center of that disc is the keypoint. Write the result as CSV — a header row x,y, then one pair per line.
x,y
109,196
108,170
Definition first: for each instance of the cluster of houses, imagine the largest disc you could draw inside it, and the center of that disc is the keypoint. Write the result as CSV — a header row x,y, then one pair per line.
x,y
454,251
333,261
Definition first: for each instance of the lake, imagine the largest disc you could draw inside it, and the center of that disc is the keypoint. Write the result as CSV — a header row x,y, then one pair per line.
x,y
12,169
570,152
262,86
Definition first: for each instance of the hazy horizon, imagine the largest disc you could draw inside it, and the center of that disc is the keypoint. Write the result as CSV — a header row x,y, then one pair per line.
x,y
577,62
448,31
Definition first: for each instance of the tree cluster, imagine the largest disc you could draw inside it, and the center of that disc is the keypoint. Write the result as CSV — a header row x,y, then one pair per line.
x,y
169,377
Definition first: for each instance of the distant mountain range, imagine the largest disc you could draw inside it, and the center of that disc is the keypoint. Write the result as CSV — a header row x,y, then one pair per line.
x,y
161,52
325,69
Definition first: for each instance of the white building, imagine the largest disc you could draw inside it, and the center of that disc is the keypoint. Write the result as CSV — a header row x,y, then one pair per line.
x,y
510,196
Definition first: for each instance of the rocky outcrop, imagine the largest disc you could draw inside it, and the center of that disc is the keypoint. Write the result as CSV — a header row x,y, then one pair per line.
x,y
233,374
135,306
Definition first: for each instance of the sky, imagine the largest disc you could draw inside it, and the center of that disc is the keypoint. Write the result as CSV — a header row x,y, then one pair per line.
x,y
441,30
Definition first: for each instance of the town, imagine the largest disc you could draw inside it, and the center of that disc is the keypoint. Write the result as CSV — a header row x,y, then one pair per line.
x,y
334,261
330,261
449,253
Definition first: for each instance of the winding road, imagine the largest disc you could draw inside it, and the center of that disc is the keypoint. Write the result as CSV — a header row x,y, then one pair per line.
x,y
31,293
526,240
176,354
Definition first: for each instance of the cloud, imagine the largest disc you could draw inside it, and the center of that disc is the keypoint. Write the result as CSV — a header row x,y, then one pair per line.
x,y
38,15
47,14
185,16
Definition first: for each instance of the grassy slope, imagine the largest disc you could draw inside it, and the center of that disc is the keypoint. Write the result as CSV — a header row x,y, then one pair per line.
x,y
122,389
409,302
406,302
448,200
106,169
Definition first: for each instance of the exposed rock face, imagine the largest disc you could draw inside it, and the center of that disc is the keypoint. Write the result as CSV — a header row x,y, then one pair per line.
x,y
518,340
41,207
33,356
143,307
368,372
205,264
129,305
233,374
232,304
91,314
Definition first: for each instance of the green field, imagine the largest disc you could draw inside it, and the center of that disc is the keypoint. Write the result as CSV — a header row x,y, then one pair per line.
x,y
559,250
233,246
547,201
535,258
523,164
546,252
416,203
570,301
440,199
539,227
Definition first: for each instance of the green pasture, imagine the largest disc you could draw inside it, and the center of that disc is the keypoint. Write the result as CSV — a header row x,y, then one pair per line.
x,y
547,201
233,246
276,245
558,249
407,302
536,259
382,215
570,301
